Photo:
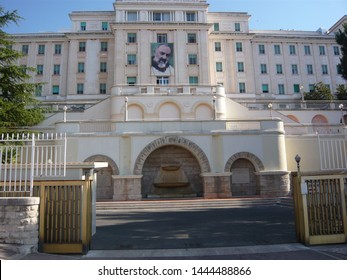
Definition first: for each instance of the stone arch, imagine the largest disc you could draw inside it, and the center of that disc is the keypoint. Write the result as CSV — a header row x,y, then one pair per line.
x,y
244,168
259,166
104,188
319,119
175,141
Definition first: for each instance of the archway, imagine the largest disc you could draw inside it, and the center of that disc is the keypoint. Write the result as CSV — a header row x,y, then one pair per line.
x,y
104,188
171,157
244,179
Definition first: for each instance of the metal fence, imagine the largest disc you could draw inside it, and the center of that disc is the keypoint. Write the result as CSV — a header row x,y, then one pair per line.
x,y
26,157
333,152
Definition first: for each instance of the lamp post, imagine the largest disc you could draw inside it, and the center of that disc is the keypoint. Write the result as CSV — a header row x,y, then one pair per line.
x,y
302,97
342,118
126,109
270,108
214,108
64,116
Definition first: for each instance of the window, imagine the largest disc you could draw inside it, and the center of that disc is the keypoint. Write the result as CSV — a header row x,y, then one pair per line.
x,y
104,26
193,80
296,88
279,68
295,70
239,47
339,69
191,16
56,69
162,80
57,49
39,69
83,26
307,50
41,49
24,68
263,68
292,50
131,38
261,49
265,88
216,26
25,49
80,88
277,49
38,90
161,38
80,67
218,46
321,50
219,66
103,67
336,50
237,26
191,38
242,87
131,81
325,69
131,59
55,90
104,46
131,16
309,69
240,67
281,89
311,87
82,47
192,59
165,16
102,88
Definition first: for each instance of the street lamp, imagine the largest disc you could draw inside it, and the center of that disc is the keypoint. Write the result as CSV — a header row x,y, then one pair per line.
x,y
270,108
214,108
126,109
342,118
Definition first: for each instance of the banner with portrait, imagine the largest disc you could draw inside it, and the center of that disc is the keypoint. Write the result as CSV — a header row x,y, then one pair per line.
x,y
162,59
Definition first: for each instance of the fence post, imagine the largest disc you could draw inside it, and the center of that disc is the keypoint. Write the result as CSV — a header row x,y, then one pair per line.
x,y
32,164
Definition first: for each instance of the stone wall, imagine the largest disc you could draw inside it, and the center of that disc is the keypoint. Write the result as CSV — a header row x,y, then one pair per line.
x,y
19,224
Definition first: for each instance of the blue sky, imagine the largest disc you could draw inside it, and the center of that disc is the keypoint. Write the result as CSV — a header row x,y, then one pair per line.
x,y
266,14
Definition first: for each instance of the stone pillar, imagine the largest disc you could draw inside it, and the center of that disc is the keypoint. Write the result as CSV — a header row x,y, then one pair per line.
x,y
216,185
19,224
274,183
127,187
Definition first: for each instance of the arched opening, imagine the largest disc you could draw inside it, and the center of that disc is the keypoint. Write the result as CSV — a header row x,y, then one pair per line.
x,y
320,124
293,118
104,187
171,172
244,181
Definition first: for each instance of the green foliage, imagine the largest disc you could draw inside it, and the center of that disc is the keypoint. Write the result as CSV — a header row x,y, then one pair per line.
x,y
18,107
341,92
320,92
341,39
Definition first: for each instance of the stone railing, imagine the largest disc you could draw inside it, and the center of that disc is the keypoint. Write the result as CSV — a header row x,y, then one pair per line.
x,y
19,224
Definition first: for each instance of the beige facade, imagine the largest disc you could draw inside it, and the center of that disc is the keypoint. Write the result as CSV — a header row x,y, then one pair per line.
x,y
200,125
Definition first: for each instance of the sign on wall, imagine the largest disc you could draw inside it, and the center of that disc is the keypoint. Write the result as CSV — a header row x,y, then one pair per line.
x,y
162,59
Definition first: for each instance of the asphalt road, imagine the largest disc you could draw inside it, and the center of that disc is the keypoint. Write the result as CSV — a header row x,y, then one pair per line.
x,y
193,224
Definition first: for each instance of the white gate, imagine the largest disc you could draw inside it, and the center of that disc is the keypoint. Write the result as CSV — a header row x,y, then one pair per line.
x,y
25,157
333,152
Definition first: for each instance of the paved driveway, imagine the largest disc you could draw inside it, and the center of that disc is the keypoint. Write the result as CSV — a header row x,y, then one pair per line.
x,y
193,224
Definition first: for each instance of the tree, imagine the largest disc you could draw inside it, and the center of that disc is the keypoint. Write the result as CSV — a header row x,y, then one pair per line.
x,y
341,39
341,92
320,92
18,106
